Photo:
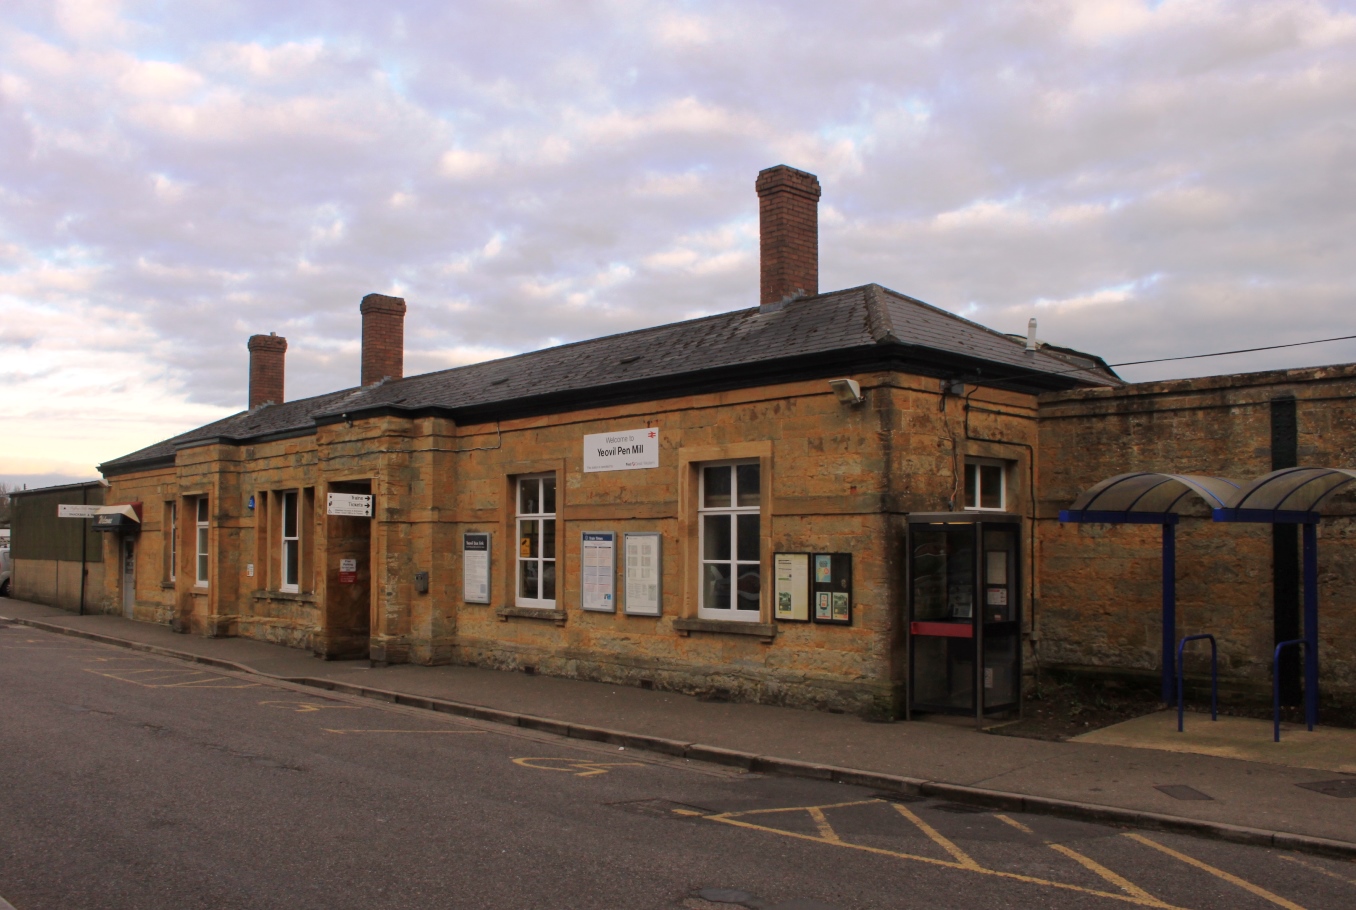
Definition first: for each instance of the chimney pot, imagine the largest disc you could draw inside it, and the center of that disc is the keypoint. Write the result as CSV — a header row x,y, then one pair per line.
x,y
788,228
267,356
383,338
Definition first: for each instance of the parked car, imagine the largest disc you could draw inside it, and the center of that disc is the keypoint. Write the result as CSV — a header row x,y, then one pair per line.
x,y
6,565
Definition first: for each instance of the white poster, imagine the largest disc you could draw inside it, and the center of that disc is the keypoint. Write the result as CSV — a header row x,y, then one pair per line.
x,y
475,567
629,450
353,505
599,559
643,574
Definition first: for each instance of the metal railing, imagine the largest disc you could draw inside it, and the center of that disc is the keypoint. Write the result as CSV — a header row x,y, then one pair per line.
x,y
1276,690
1214,677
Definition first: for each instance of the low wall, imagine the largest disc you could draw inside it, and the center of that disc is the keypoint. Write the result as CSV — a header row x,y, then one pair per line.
x,y
56,583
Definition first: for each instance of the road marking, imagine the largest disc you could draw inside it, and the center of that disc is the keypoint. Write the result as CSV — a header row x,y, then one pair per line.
x,y
737,819
1218,873
957,853
578,767
1086,862
205,680
341,732
308,707
1317,868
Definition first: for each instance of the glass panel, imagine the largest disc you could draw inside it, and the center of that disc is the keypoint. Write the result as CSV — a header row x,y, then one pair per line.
x,y
996,566
202,567
747,532
971,478
289,515
716,586
548,538
715,537
716,488
202,509
746,483
990,486
1000,669
548,495
529,543
527,579
750,584
548,580
290,554
527,496
929,576
944,672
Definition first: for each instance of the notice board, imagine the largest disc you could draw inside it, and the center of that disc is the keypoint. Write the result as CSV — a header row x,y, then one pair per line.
x,y
791,587
475,567
831,588
599,562
643,573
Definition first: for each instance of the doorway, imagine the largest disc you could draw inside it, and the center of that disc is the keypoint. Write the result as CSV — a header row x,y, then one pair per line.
x,y
129,576
347,621
964,614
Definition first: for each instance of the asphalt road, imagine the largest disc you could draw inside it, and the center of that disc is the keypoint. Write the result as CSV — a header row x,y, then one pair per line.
x,y
140,782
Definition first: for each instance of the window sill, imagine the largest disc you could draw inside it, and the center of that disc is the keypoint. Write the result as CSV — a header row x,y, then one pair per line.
x,y
284,595
765,631
167,586
553,616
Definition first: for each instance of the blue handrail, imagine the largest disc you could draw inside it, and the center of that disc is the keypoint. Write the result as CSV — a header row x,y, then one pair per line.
x,y
1276,689
1214,677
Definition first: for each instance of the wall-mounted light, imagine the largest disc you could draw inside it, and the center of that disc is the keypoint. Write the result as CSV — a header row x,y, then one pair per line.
x,y
847,390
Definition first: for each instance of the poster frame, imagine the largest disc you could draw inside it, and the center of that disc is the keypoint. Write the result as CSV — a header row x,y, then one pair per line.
x,y
807,590
659,581
838,589
489,566
612,572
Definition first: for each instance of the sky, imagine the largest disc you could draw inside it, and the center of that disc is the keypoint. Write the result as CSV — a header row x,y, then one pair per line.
x,y
1147,179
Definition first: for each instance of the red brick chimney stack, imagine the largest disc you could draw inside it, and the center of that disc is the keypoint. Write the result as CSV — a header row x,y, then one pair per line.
x,y
267,353
788,229
383,338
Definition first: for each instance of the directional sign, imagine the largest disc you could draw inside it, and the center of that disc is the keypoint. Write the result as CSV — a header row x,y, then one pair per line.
x,y
77,511
354,505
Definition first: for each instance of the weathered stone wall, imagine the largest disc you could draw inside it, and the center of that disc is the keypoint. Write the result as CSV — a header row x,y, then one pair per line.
x,y
1099,586
836,478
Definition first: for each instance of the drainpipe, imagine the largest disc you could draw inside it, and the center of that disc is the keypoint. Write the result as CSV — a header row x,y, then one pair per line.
x,y
84,541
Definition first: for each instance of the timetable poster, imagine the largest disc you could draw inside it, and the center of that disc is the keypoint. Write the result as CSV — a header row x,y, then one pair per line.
x,y
791,577
475,567
599,563
643,574
832,588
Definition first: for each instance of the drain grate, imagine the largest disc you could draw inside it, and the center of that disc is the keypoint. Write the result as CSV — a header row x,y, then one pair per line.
x,y
1182,791
1342,789
899,797
959,808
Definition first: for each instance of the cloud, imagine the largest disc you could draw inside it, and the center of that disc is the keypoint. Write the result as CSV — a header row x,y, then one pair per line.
x,y
1145,177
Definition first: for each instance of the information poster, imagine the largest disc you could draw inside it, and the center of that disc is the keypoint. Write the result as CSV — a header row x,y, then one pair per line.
x,y
348,571
599,561
643,573
832,588
791,576
475,567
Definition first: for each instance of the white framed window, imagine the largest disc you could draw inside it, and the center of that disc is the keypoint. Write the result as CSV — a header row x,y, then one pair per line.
x,y
730,529
172,513
200,512
291,543
536,520
986,485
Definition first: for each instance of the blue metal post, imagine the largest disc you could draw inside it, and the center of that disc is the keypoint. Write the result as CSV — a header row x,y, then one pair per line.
x,y
1169,609
1311,624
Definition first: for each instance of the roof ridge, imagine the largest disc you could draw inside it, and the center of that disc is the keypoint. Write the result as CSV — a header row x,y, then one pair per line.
x,y
879,323
956,316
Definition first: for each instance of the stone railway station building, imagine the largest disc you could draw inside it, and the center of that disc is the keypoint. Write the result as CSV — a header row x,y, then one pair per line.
x,y
852,504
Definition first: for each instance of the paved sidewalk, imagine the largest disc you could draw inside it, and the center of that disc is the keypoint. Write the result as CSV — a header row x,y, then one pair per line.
x,y
1123,781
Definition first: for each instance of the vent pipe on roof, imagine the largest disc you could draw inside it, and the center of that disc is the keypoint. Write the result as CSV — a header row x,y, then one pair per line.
x,y
383,338
788,234
267,354
1031,342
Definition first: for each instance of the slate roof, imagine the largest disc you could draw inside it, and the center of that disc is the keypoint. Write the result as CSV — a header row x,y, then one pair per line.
x,y
864,328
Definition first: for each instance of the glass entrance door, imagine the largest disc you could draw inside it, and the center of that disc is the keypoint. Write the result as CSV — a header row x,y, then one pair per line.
x,y
964,616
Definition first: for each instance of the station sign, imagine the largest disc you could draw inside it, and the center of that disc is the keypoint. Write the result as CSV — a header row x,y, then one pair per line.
x,y
77,511
351,505
627,450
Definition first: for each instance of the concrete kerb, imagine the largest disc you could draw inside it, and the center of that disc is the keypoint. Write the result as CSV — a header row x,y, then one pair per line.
x,y
886,783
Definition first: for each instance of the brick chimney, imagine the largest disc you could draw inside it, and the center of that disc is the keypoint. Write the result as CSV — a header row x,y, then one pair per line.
x,y
788,230
267,353
383,338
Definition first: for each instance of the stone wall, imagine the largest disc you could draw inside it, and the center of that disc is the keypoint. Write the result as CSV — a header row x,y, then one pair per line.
x,y
1099,586
836,478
